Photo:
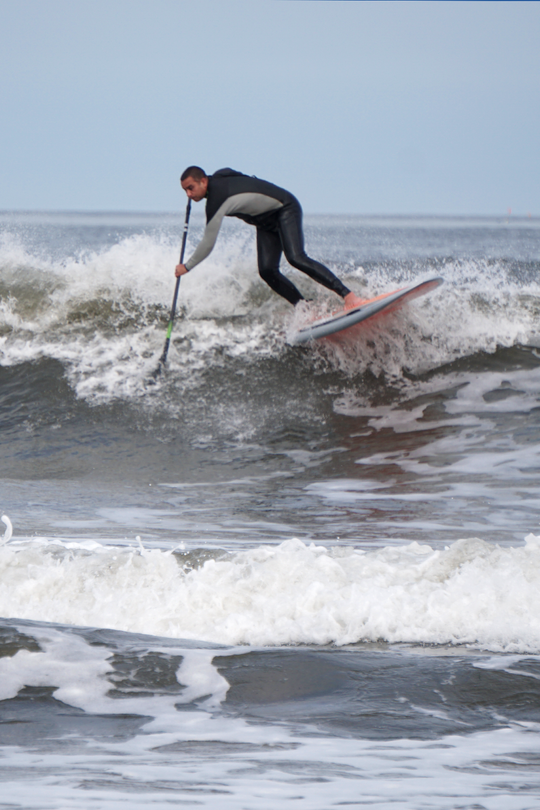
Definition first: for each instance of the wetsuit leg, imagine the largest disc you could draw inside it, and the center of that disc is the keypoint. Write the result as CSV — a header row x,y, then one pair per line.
x,y
292,241
268,255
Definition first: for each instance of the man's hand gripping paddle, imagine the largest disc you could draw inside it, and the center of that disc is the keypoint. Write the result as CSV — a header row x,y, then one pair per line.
x,y
163,358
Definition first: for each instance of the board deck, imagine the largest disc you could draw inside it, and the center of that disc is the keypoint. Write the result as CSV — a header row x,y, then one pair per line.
x,y
387,302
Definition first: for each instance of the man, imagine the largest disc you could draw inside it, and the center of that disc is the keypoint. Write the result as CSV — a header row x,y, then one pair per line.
x,y
276,214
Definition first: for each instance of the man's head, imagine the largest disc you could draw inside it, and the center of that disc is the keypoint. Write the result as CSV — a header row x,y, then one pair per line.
x,y
195,183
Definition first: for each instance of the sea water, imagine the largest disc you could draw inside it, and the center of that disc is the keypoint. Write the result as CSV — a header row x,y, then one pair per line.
x,y
279,576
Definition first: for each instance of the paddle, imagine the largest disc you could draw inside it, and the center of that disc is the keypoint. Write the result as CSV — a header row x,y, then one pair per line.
x,y
163,358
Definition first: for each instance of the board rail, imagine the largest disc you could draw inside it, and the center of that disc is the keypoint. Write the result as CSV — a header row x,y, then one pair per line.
x,y
387,302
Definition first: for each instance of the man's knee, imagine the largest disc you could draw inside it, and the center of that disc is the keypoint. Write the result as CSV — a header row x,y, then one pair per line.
x,y
298,259
268,274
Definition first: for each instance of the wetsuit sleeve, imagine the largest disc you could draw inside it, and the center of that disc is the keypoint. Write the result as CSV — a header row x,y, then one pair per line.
x,y
206,245
246,202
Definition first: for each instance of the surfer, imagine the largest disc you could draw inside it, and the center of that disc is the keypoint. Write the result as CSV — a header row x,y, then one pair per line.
x,y
276,214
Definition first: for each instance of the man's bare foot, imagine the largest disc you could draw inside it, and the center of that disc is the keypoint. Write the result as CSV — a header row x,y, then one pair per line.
x,y
351,301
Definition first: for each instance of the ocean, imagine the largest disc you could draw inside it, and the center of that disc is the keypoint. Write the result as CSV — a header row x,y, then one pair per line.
x,y
281,576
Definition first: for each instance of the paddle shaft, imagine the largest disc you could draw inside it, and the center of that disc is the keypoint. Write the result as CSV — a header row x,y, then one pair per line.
x,y
163,357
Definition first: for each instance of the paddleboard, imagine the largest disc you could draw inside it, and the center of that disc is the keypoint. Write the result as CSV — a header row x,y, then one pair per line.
x,y
387,302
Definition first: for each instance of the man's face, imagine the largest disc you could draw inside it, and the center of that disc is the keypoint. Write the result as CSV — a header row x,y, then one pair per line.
x,y
195,189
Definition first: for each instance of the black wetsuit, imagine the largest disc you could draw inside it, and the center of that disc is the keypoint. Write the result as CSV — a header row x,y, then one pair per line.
x,y
277,215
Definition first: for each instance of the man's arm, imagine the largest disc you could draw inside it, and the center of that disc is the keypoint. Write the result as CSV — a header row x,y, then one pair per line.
x,y
246,202
205,246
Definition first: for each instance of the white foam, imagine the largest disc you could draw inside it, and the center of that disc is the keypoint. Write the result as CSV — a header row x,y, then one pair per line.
x,y
471,592
79,672
479,309
281,769
204,757
96,314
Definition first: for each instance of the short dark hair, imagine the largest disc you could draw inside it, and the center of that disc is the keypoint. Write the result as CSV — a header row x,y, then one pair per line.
x,y
193,171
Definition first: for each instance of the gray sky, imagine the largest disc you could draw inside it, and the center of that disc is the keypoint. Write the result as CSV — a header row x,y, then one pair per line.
x,y
356,107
